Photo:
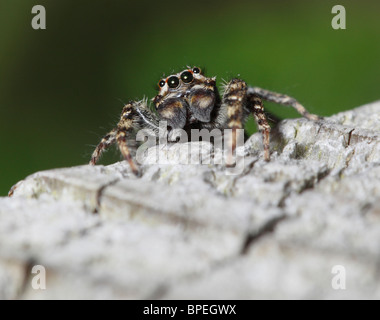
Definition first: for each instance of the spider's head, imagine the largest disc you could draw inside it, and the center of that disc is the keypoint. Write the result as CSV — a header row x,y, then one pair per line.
x,y
176,84
186,92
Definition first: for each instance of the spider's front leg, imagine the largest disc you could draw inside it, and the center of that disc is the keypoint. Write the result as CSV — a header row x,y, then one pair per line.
x,y
283,100
238,103
255,105
234,99
121,140
108,140
132,116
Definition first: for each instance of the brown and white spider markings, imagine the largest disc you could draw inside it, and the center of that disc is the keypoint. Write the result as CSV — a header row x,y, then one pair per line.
x,y
190,100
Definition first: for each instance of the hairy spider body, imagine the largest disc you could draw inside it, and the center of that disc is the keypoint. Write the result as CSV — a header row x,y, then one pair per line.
x,y
189,100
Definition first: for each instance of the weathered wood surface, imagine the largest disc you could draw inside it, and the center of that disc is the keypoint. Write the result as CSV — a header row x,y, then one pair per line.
x,y
193,232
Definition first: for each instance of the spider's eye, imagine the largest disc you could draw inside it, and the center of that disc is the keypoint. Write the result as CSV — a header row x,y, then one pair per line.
x,y
196,70
173,82
187,76
161,83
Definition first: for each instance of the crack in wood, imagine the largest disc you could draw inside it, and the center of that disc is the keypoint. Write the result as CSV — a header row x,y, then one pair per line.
x,y
267,228
99,194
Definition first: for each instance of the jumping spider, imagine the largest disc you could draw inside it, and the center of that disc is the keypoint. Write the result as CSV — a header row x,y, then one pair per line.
x,y
189,100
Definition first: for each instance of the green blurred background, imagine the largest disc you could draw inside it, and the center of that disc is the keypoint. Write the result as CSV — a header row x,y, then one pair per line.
x,y
61,88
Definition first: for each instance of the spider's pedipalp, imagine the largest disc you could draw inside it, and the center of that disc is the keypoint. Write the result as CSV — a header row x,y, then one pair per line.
x,y
173,111
201,101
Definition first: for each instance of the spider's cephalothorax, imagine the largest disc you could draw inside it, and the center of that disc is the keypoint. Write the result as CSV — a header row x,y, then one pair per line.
x,y
186,98
190,100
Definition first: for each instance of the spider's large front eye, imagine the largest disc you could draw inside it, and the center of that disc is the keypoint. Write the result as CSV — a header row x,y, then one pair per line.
x,y
173,82
161,83
196,70
187,76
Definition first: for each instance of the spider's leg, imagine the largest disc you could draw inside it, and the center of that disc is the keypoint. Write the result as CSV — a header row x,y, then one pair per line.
x,y
121,139
135,115
128,123
234,99
282,99
108,140
255,105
